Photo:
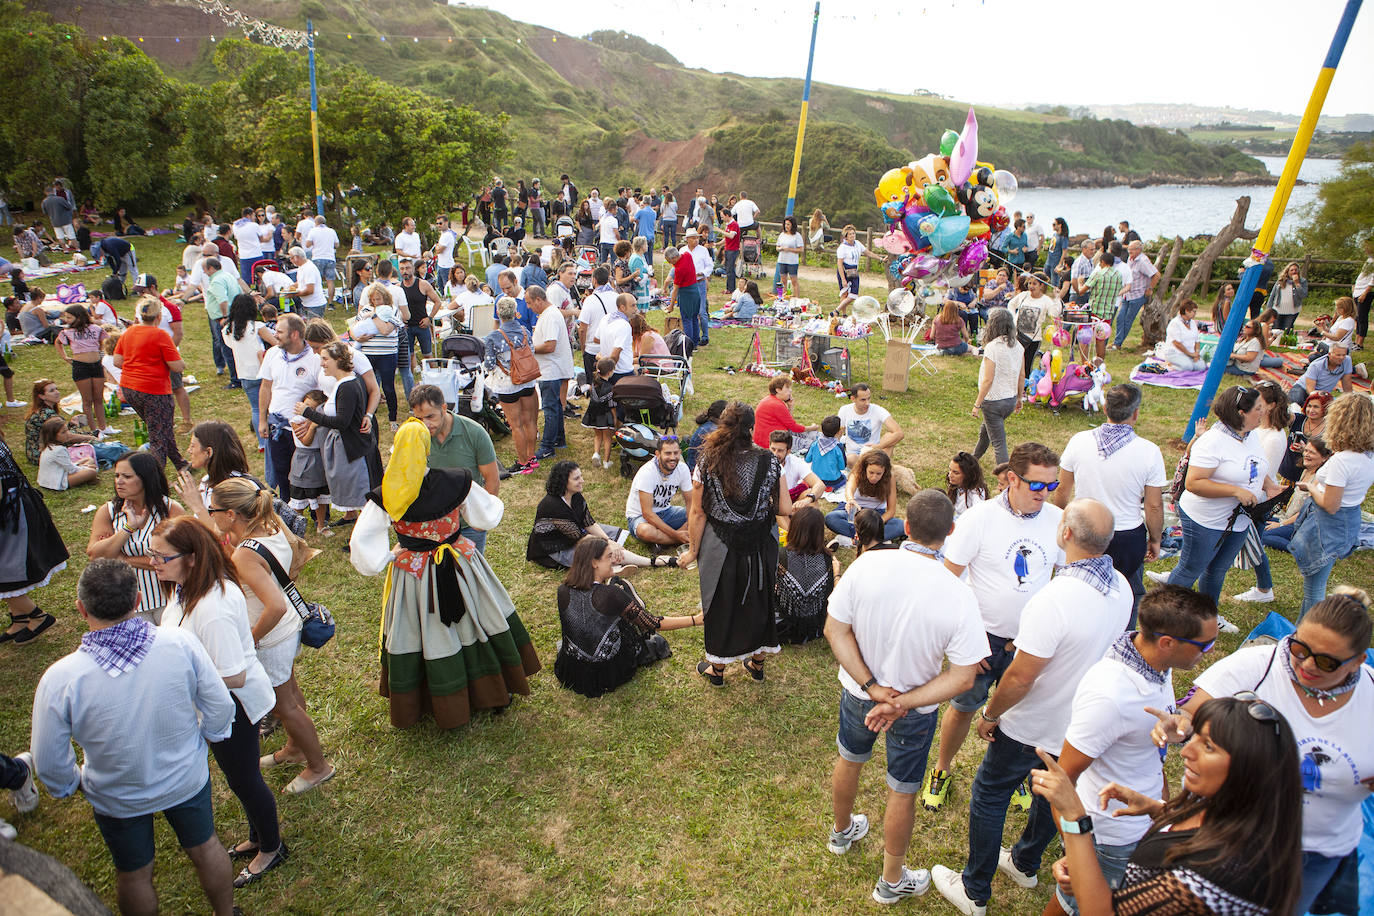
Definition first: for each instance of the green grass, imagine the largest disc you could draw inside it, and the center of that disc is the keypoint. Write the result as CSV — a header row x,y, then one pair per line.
x,y
664,797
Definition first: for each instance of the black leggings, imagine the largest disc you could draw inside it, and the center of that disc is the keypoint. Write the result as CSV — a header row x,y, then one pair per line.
x,y
237,757
1362,313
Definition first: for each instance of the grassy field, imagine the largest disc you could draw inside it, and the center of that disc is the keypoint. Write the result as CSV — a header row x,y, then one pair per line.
x,y
664,797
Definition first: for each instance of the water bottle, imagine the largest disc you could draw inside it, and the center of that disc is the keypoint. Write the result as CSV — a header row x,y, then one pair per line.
x,y
140,432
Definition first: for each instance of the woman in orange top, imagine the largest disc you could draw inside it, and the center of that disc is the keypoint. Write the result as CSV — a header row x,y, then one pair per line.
x,y
146,358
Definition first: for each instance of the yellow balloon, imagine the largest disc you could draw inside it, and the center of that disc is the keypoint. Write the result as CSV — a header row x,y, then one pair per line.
x,y
891,185
1057,365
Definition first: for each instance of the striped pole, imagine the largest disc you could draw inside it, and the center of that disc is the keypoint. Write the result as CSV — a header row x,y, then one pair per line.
x,y
1270,229
314,116
801,124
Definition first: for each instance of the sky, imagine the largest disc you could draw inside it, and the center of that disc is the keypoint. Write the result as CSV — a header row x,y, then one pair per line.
x,y
1008,52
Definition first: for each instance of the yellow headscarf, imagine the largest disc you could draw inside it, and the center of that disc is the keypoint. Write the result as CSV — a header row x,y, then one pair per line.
x,y
406,470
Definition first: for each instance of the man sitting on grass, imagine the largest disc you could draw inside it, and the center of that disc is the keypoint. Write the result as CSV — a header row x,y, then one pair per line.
x,y
649,512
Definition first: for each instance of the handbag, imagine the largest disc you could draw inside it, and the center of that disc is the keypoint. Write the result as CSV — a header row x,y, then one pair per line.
x,y
317,624
523,366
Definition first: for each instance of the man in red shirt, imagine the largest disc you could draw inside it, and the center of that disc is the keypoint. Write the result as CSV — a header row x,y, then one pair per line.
x,y
686,294
731,233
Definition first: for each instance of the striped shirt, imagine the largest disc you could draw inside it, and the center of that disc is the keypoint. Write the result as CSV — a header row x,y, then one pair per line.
x,y
151,596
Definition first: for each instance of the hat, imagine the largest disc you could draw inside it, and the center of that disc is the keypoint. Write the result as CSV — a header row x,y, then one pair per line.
x,y
145,281
692,234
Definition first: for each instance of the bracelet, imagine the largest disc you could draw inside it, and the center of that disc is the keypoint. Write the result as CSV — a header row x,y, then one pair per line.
x,y
986,718
869,683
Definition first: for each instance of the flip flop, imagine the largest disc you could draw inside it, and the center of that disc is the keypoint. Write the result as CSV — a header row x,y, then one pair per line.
x,y
300,785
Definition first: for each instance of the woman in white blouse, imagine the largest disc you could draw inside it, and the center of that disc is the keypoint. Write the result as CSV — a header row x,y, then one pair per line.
x,y
207,601
1001,379
1181,339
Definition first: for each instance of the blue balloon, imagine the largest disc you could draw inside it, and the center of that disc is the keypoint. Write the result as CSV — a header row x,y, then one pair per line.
x,y
911,224
949,234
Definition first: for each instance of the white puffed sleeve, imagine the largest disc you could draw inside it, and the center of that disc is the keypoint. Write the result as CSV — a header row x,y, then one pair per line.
x,y
482,510
369,548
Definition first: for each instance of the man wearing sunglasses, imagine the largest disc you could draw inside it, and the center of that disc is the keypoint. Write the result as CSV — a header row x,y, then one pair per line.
x,y
1065,628
1009,545
1117,702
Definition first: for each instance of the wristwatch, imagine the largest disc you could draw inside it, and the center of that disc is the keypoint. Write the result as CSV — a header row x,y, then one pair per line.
x,y
1083,825
869,683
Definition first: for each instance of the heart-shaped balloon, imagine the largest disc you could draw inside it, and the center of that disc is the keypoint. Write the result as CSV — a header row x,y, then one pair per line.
x,y
949,234
972,257
947,141
940,201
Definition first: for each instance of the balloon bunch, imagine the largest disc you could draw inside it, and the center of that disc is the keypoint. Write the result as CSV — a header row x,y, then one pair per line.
x,y
941,211
1054,381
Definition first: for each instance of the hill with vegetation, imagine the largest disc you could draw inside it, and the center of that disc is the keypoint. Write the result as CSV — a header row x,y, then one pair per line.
x,y
614,109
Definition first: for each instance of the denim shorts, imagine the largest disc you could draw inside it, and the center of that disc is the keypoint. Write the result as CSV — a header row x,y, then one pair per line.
x,y
1112,860
130,839
977,695
908,742
328,269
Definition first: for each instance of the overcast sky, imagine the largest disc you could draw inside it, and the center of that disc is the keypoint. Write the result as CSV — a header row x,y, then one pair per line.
x,y
1263,54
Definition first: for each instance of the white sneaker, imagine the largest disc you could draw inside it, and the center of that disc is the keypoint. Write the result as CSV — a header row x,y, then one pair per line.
x,y
1226,626
912,884
7,831
25,797
596,457
950,884
1008,868
16,403
1255,596
1160,577
840,540
108,431
841,840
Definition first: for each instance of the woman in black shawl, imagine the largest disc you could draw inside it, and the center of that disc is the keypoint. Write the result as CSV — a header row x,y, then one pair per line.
x,y
563,519
732,540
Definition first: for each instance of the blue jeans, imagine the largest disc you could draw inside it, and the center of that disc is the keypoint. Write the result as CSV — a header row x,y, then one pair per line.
x,y
607,249
1278,538
1206,556
1314,587
281,446
705,313
1124,321
731,257
690,308
1333,878
224,357
1112,860
839,521
1005,764
554,436
1002,652
384,368
478,538
672,516
250,388
669,232
907,742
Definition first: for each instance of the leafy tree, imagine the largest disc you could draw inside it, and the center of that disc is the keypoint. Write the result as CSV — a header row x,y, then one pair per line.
x,y
1344,205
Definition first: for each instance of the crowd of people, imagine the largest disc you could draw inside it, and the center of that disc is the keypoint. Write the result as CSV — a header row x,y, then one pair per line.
x,y
1022,611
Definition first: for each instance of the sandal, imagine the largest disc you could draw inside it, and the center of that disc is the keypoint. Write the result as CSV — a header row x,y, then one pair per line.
x,y
247,876
300,785
26,636
659,561
270,761
714,674
755,668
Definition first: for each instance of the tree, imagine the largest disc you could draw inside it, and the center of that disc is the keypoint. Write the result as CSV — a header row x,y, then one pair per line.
x,y
1344,204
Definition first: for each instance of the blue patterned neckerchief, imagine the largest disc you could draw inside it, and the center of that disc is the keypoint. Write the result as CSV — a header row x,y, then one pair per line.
x,y
1321,696
1096,571
1238,436
826,443
933,552
1112,436
1125,652
120,648
1005,501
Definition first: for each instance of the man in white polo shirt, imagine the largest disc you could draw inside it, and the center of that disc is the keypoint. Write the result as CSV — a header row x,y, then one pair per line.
x,y
891,644
1108,739
288,371
1065,628
1010,546
1114,466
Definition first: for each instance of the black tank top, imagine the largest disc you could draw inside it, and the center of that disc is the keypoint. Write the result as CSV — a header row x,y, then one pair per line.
x,y
416,302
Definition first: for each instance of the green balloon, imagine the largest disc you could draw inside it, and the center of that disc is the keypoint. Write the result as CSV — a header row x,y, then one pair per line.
x,y
947,141
939,200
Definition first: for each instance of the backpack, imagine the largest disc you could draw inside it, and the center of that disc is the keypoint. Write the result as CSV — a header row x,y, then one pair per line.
x,y
112,288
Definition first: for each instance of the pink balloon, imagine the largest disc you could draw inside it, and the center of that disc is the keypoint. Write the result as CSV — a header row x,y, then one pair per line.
x,y
895,242
922,265
965,152
973,256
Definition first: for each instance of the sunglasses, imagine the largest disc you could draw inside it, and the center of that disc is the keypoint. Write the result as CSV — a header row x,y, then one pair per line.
x,y
212,510
166,557
1328,663
1036,486
1259,710
1202,646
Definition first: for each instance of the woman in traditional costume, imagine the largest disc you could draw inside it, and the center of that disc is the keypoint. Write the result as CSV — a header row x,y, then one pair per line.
x,y
451,641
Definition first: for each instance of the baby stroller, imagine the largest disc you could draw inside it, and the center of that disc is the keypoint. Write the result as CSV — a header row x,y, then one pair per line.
x,y
464,355
644,399
751,253
637,443
587,258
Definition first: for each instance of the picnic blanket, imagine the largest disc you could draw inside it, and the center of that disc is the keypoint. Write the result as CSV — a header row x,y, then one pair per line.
x,y
1192,378
1174,378
60,267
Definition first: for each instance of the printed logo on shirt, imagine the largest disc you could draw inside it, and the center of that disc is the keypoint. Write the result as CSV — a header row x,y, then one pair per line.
x,y
1253,465
1322,761
1027,558
858,431
663,495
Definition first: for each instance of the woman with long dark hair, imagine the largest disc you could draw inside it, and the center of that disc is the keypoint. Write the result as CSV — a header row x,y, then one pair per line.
x,y
706,422
248,339
79,344
1227,843
563,520
964,482
806,576
1001,379
607,634
742,492
207,601
871,485
123,527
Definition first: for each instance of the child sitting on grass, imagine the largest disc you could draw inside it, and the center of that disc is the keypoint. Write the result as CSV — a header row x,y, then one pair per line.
x,y
56,469
826,455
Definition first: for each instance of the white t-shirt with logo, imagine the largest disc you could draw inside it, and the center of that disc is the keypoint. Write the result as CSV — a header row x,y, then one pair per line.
x,y
905,634
1238,463
862,429
1119,481
1335,752
1008,559
1352,470
1072,624
291,377
559,363
323,243
1108,723
309,275
648,479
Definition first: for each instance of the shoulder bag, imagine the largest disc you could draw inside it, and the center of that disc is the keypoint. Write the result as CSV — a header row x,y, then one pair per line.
x,y
317,624
524,368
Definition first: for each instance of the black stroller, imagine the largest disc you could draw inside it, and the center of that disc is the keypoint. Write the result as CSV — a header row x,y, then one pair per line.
x,y
466,354
641,399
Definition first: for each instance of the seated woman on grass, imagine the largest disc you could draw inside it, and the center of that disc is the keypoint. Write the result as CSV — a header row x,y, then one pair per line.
x,y
871,486
607,634
57,470
562,520
745,302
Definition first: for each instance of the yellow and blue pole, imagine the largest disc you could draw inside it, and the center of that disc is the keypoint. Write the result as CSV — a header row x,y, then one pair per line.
x,y
314,116
801,124
1270,229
